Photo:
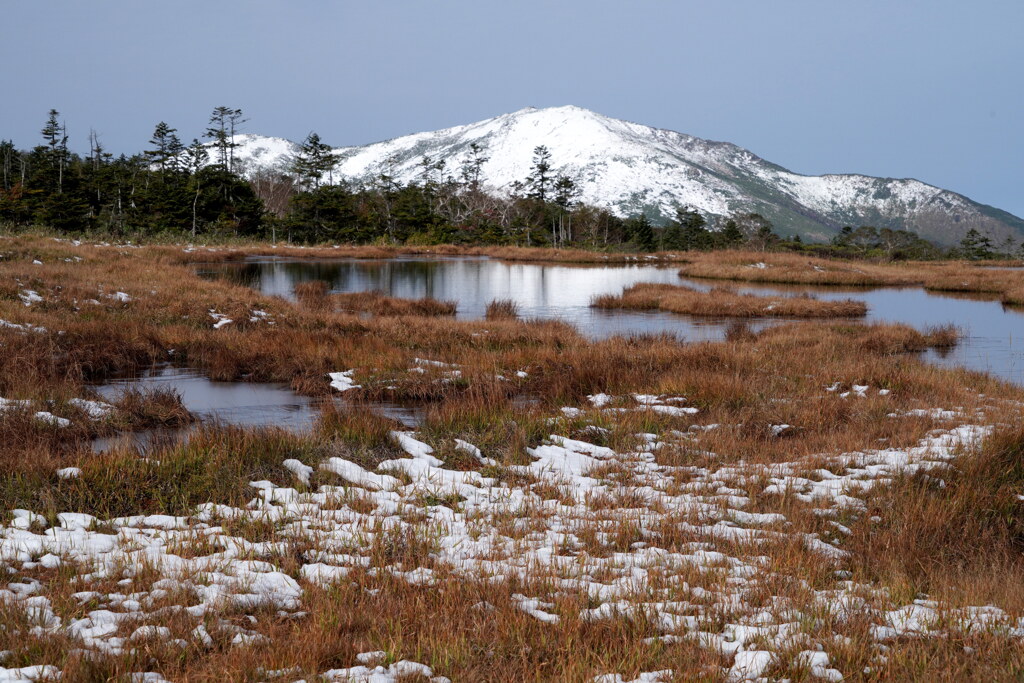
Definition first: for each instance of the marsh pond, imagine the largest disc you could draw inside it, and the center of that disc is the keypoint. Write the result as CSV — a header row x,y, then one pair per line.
x,y
992,334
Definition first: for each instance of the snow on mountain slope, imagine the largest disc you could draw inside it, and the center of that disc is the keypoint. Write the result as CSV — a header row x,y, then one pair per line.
x,y
258,150
629,168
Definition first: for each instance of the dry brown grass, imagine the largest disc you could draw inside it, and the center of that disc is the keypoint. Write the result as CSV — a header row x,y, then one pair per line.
x,y
236,252
502,309
725,302
795,269
153,408
958,533
783,268
378,303
314,295
372,614
1014,296
959,541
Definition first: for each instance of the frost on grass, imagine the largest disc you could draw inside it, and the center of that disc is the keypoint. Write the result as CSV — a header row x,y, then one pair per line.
x,y
685,549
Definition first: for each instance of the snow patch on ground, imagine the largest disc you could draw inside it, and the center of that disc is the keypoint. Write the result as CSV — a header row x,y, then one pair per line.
x,y
342,381
706,584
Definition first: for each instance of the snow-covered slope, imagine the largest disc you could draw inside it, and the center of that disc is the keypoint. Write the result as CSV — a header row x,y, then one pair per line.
x,y
630,168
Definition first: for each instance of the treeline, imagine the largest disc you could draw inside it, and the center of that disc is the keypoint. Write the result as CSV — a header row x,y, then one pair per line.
x,y
201,189
873,243
167,188
453,208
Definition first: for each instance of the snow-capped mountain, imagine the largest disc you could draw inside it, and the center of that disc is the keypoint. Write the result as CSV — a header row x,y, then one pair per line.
x,y
629,168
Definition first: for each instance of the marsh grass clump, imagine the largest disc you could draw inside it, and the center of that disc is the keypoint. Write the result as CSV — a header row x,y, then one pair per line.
x,y
215,464
794,269
739,331
725,302
313,294
358,433
972,279
32,446
93,347
153,407
355,424
889,339
943,336
964,523
1013,297
501,430
502,309
798,269
380,304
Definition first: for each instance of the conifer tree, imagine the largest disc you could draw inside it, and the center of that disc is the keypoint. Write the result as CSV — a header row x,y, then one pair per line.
x,y
52,130
8,157
844,237
539,180
566,192
766,236
731,235
976,246
693,234
473,165
55,134
672,236
195,157
431,172
167,148
313,161
223,125
641,232
234,121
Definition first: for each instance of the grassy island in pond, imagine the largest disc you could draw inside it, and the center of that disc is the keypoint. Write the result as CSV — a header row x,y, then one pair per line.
x,y
724,302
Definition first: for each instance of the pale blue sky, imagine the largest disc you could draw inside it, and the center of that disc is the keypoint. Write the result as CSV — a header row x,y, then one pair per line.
x,y
908,88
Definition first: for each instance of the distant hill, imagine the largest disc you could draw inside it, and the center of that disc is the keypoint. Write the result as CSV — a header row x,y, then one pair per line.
x,y
629,168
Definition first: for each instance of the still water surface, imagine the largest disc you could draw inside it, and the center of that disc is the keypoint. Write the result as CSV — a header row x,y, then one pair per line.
x,y
246,404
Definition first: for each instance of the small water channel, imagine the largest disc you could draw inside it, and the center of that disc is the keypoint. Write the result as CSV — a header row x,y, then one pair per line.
x,y
991,342
237,403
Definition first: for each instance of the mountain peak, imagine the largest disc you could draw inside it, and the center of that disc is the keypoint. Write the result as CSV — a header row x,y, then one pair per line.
x,y
629,168
566,108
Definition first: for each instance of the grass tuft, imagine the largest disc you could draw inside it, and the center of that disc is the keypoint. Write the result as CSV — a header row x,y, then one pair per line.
x,y
377,303
502,309
727,303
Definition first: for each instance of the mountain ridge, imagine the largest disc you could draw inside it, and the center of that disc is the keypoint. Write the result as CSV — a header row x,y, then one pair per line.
x,y
628,167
